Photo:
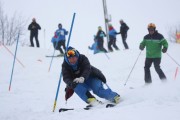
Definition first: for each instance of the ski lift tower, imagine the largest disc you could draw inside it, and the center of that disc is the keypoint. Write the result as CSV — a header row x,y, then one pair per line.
x,y
107,19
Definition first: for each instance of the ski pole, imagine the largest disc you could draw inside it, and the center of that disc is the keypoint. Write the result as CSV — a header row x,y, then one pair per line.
x,y
173,59
132,68
107,85
44,38
57,92
107,56
13,55
13,62
52,57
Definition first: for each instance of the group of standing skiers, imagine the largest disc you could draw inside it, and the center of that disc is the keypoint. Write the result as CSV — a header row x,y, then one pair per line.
x,y
98,45
81,77
58,39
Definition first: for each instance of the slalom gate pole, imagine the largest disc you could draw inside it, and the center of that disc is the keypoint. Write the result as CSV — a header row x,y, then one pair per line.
x,y
13,55
57,92
173,59
132,68
176,73
70,31
13,62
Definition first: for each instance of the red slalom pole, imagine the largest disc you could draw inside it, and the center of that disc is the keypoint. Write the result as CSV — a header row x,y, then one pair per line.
x,y
176,73
13,55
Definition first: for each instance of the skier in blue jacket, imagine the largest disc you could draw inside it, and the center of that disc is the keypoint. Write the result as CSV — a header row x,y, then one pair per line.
x,y
94,46
112,38
81,77
59,39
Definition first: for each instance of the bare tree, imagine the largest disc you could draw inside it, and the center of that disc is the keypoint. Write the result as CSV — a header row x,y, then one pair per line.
x,y
10,28
2,24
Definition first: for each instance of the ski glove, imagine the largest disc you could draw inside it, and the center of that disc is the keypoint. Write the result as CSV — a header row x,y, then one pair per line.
x,y
164,50
141,47
79,80
72,85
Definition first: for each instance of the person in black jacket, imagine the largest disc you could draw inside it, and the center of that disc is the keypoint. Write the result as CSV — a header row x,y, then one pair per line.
x,y
81,77
34,27
100,39
123,31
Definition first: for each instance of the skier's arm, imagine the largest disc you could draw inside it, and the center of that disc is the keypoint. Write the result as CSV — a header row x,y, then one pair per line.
x,y
165,45
67,78
86,67
38,26
142,45
30,27
66,32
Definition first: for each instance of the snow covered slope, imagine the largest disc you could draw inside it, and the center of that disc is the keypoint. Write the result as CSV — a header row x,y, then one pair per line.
x,y
33,88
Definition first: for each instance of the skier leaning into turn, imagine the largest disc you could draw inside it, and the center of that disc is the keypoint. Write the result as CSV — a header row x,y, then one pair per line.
x,y
81,77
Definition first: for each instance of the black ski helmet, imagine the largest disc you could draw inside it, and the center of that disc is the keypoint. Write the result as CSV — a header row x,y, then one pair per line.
x,y
60,25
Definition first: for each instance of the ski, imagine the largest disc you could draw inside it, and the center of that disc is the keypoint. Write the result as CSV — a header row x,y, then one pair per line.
x,y
65,109
55,56
51,56
110,105
69,109
88,107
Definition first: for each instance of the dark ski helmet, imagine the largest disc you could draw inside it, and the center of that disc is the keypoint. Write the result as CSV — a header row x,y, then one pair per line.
x,y
59,25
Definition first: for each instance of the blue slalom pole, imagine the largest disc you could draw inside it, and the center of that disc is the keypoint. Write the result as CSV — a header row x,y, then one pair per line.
x,y
14,62
70,31
57,92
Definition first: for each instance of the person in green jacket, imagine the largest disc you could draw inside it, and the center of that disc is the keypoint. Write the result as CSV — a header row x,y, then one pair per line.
x,y
155,43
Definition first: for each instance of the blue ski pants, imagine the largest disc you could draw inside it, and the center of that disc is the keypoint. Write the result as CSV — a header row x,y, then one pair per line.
x,y
96,86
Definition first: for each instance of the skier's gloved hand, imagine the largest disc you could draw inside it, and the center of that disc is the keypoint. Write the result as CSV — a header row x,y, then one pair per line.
x,y
164,50
72,85
79,80
141,47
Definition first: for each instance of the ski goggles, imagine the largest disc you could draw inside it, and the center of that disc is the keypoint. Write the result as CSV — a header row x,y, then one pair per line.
x,y
71,53
151,29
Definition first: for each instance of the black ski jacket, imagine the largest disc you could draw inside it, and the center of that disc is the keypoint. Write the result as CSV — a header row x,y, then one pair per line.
x,y
124,28
34,27
100,35
84,70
